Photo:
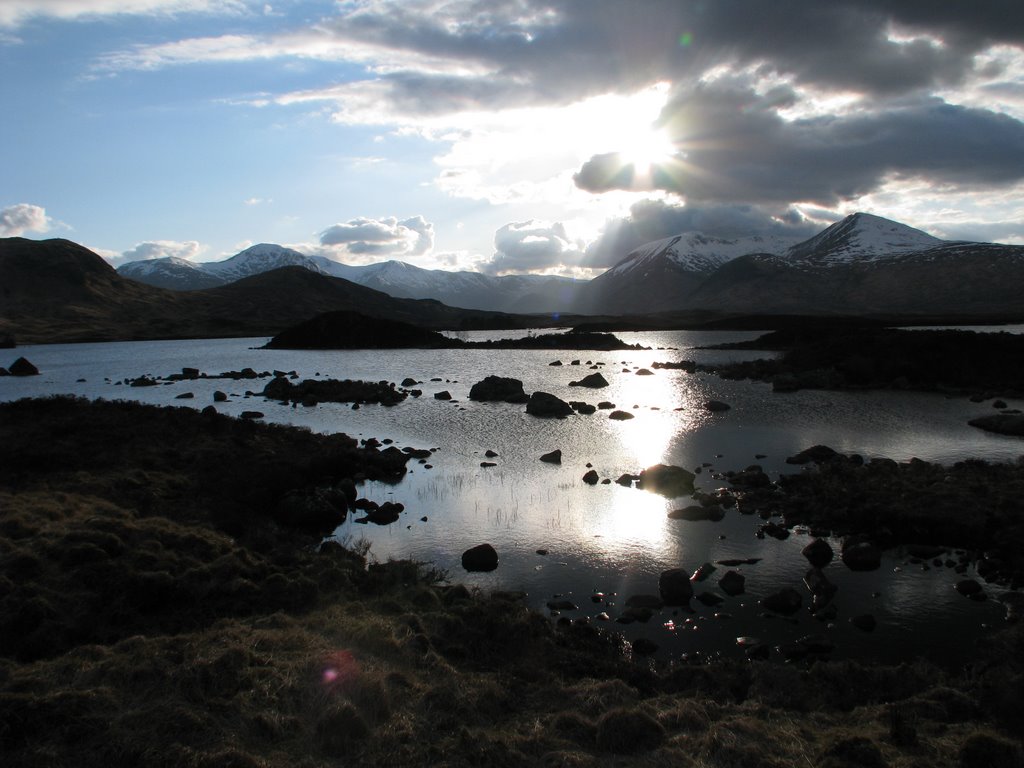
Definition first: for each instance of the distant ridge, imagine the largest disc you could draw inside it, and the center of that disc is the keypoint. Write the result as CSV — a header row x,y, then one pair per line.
x,y
57,290
468,290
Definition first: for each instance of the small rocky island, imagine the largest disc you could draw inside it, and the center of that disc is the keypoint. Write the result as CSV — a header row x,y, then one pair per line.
x,y
352,330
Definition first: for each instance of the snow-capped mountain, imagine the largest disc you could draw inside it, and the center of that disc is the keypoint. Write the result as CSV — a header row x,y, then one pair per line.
x,y
170,272
658,276
695,252
862,264
860,238
866,264
467,290
258,259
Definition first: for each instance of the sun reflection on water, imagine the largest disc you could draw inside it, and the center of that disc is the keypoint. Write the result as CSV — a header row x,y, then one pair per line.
x,y
668,405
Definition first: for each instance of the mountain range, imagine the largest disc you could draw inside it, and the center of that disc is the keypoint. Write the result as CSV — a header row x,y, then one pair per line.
x,y
863,264
57,290
468,290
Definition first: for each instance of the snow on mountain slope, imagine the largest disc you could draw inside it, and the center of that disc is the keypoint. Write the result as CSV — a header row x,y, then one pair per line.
x,y
169,272
695,252
257,259
860,238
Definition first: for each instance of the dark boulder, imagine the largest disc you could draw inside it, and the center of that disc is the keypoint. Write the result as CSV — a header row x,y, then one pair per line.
x,y
861,555
593,381
666,479
443,395
732,583
591,477
698,512
552,457
819,454
482,557
620,415
674,587
786,601
968,587
498,389
22,367
384,514
717,406
546,406
818,553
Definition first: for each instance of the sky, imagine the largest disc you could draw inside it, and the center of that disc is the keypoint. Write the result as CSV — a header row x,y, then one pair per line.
x,y
503,136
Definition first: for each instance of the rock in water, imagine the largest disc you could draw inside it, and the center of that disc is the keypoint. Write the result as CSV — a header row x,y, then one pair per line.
x,y
861,555
553,457
594,381
22,367
482,557
547,406
498,389
786,601
666,479
818,553
732,583
819,454
675,587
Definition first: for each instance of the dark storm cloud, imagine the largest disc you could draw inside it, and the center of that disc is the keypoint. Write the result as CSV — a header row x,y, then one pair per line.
x,y
531,245
545,52
736,147
651,220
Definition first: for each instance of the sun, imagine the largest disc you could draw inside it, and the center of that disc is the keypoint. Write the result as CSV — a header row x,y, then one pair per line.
x,y
646,150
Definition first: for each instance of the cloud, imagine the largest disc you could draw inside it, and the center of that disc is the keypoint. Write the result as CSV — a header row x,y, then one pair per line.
x,y
381,237
486,55
16,12
530,246
651,220
736,146
421,57
158,249
15,220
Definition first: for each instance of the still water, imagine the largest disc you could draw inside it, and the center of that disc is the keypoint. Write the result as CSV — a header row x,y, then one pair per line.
x,y
605,538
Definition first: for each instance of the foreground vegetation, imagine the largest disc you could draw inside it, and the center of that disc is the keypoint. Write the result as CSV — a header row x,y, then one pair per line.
x,y
164,601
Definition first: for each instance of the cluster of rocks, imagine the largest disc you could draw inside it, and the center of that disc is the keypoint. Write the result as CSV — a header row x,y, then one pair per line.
x,y
312,391
20,367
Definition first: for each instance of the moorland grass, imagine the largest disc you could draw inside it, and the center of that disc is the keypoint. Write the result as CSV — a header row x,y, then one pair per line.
x,y
143,626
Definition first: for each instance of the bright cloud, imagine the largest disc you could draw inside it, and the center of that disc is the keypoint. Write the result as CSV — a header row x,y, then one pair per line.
x,y
15,12
530,246
16,220
158,249
381,237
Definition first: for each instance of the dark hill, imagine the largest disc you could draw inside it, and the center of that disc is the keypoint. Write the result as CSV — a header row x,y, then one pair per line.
x,y
58,291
